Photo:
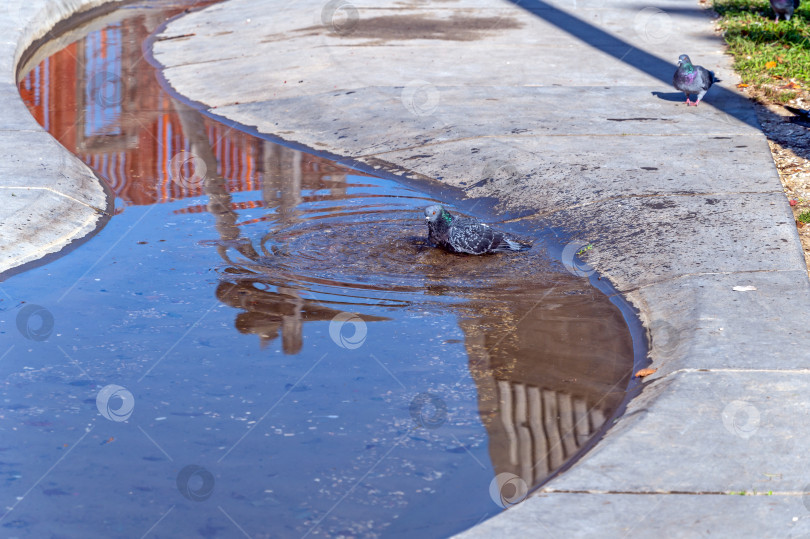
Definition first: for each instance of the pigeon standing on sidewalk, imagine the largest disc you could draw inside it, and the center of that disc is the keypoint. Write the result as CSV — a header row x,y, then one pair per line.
x,y
784,8
467,235
692,79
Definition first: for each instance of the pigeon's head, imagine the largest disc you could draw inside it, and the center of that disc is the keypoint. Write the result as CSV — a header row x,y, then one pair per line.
x,y
684,59
432,213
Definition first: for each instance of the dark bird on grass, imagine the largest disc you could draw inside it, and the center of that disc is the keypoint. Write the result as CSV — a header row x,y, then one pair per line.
x,y
784,8
692,79
467,235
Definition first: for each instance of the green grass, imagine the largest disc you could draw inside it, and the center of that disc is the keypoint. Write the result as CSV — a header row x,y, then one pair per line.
x,y
754,493
804,217
754,39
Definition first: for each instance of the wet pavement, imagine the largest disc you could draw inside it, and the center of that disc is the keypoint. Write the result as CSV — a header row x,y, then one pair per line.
x,y
261,341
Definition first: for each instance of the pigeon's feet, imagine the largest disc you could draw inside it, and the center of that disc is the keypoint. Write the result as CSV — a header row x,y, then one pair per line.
x,y
697,103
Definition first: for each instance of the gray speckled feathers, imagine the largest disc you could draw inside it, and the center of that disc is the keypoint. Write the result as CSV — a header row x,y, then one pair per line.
x,y
784,8
692,79
467,235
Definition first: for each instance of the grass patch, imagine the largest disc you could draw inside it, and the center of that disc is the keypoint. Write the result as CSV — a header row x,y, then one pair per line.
x,y
804,217
771,56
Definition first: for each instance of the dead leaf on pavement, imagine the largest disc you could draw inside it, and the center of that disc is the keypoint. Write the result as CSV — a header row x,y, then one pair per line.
x,y
645,372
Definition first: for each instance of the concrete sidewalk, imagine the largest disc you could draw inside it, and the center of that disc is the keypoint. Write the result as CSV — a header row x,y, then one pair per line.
x,y
564,111
51,201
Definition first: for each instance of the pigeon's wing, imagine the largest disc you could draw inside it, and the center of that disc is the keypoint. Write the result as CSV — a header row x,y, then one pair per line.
x,y
504,244
677,80
706,77
471,237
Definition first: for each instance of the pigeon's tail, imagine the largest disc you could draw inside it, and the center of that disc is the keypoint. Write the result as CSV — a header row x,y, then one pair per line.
x,y
512,245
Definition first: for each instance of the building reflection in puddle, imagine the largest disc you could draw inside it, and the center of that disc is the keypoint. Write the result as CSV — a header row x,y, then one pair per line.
x,y
550,356
547,380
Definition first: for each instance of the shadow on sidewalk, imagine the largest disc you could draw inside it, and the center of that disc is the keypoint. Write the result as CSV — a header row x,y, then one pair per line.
x,y
723,99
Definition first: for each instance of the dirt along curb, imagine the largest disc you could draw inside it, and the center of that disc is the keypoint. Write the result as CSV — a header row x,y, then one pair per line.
x,y
51,201
565,113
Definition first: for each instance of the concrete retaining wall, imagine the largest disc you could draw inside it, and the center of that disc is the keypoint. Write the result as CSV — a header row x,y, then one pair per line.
x,y
49,199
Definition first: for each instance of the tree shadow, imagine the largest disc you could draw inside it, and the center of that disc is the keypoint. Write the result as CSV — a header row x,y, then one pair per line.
x,y
789,131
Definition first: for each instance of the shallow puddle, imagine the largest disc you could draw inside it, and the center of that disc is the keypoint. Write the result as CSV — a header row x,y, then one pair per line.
x,y
261,343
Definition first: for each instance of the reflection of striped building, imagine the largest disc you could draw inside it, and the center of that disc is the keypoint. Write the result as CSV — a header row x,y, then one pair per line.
x,y
101,100
548,378
543,428
124,127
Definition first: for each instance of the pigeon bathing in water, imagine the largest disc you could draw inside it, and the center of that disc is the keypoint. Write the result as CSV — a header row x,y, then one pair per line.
x,y
784,8
467,235
692,79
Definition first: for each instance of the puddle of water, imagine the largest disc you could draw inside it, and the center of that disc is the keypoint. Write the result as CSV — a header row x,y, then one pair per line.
x,y
261,342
